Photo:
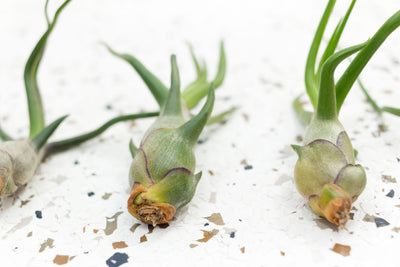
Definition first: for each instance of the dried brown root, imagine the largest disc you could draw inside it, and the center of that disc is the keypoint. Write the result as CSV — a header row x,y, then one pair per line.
x,y
147,211
337,211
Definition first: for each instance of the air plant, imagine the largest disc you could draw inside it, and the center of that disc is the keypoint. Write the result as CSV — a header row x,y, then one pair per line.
x,y
326,173
20,158
162,174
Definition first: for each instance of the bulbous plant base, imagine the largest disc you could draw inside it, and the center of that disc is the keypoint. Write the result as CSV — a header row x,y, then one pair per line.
x,y
148,211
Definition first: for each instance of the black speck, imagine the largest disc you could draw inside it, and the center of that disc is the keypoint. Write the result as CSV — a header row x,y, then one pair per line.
x,y
38,214
381,222
248,167
240,220
109,107
200,141
232,235
76,162
206,224
90,194
16,248
398,159
391,193
94,174
233,183
86,252
117,259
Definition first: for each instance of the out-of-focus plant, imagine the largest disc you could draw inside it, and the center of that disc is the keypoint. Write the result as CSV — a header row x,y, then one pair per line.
x,y
162,174
326,173
20,158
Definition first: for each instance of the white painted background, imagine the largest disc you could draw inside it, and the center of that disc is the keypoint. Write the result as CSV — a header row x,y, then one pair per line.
x,y
266,45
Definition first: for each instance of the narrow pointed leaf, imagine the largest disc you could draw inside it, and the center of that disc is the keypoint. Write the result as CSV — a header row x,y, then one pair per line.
x,y
310,76
369,98
352,72
221,116
195,61
333,42
326,107
192,129
74,141
132,148
391,110
173,106
303,115
41,138
35,107
156,87
4,136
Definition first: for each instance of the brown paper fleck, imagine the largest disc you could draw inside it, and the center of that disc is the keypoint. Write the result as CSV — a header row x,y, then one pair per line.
x,y
143,238
112,223
369,218
24,202
216,218
283,253
84,229
210,172
106,196
193,245
120,244
207,235
95,231
133,228
61,259
46,244
29,234
397,206
244,162
343,250
396,229
388,179
243,249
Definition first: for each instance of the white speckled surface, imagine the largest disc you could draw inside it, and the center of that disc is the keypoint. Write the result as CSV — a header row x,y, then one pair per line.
x,y
266,45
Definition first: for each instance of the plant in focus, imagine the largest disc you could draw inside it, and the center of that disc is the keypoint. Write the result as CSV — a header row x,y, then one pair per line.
x,y
20,158
162,174
326,173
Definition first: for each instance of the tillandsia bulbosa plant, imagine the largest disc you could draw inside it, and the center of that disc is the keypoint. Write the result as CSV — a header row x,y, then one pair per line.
x,y
20,158
326,173
162,174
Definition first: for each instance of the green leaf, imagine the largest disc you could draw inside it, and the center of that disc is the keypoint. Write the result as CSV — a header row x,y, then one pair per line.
x,y
221,116
369,98
132,148
41,138
333,42
194,93
391,110
173,106
303,115
326,106
310,75
352,72
156,87
35,107
74,141
192,129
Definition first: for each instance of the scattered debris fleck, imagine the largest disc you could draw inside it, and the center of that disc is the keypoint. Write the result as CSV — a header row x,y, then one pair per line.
x,y
76,162
106,196
299,138
210,172
193,245
390,194
275,169
24,202
61,259
143,238
245,116
232,235
207,235
388,179
324,224
343,250
215,218
46,244
112,223
109,107
206,224
381,222
243,249
351,215
90,194
24,222
244,162
200,141
382,128
133,228
38,214
120,244
95,231
29,234
117,259
213,197
283,253
369,218
248,167
396,229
